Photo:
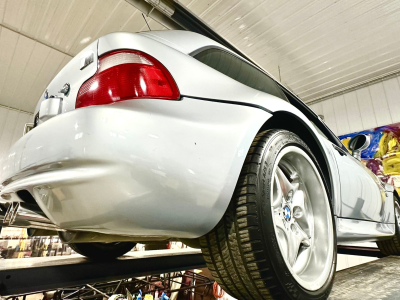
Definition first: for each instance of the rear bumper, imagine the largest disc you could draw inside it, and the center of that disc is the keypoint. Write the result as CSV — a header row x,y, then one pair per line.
x,y
140,167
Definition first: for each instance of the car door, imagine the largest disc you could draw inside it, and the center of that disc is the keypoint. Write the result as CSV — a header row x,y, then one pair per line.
x,y
363,196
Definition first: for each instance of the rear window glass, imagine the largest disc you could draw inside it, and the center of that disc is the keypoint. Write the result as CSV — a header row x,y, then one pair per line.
x,y
239,70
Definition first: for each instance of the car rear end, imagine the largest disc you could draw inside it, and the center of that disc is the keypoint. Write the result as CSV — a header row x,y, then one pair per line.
x,y
115,144
62,136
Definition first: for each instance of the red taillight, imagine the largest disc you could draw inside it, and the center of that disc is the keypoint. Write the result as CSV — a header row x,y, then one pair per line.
x,y
126,75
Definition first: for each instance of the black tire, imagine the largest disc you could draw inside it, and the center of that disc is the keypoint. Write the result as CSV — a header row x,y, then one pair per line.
x,y
102,250
241,251
392,246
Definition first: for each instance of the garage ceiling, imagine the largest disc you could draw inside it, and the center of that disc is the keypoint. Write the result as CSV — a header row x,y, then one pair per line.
x,y
314,47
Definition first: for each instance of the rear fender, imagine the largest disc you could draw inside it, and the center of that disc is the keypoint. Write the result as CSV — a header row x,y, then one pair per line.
x,y
141,167
319,146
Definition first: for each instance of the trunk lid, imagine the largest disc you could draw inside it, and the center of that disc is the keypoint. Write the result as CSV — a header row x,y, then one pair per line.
x,y
60,95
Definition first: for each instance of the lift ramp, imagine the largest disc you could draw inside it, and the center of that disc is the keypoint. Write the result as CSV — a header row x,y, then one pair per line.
x,y
378,279
23,276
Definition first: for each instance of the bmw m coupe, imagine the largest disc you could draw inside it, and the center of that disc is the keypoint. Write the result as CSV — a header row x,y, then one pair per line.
x,y
169,135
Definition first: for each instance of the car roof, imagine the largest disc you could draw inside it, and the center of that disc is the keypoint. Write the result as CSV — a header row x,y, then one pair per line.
x,y
183,41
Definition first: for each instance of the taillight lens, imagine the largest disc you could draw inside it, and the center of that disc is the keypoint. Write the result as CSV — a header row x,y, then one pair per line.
x,y
124,75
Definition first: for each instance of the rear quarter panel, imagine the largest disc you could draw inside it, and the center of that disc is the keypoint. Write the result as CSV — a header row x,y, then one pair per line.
x,y
197,80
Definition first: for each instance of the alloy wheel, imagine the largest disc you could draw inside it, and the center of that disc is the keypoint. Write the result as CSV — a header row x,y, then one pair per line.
x,y
302,218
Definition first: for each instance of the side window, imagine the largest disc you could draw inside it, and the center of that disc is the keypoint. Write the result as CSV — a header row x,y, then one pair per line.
x,y
239,70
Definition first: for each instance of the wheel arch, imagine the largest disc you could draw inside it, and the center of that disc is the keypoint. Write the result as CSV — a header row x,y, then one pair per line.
x,y
291,122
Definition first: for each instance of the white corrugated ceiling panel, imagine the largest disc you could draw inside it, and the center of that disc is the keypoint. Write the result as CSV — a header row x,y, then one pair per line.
x,y
314,47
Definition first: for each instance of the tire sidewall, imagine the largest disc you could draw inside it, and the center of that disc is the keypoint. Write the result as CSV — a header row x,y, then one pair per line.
x,y
103,251
280,140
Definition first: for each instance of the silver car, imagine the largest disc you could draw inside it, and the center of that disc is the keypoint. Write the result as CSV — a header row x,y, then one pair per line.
x,y
169,135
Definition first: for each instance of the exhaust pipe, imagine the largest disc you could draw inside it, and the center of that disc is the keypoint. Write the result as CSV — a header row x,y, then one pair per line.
x,y
18,215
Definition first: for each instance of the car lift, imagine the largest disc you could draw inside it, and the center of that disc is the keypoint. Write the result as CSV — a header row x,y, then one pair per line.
x,y
30,275
75,273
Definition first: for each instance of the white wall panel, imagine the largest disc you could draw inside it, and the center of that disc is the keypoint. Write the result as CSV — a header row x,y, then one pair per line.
x,y
370,106
367,112
329,114
392,92
317,108
353,112
380,104
12,124
342,122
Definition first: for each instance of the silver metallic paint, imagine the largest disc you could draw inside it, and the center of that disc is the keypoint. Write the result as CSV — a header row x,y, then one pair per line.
x,y
360,194
350,230
49,108
36,160
141,167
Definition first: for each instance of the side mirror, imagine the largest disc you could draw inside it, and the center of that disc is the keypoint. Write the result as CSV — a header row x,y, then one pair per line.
x,y
359,143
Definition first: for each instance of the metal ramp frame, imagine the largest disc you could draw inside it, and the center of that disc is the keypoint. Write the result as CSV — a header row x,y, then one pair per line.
x,y
374,280
23,276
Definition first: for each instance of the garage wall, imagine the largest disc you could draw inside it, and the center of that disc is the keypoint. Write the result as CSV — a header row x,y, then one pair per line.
x,y
370,106
12,124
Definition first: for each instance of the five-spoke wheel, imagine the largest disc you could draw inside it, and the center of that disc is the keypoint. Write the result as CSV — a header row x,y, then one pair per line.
x,y
296,212
277,238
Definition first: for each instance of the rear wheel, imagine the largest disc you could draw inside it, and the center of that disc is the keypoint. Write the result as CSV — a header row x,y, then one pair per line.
x,y
277,238
102,250
392,246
